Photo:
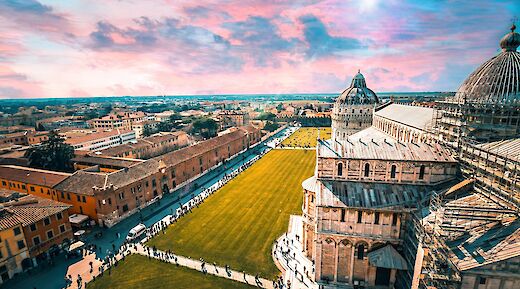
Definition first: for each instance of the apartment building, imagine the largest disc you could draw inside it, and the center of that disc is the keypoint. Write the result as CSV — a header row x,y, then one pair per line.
x,y
94,140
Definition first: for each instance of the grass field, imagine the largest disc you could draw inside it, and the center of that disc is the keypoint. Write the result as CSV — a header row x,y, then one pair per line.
x,y
306,137
140,272
238,225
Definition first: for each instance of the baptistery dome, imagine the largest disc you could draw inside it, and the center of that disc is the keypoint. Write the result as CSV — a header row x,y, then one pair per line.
x,y
497,81
353,109
358,92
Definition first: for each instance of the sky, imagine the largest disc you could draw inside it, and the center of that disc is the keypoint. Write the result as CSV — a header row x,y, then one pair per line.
x,y
77,48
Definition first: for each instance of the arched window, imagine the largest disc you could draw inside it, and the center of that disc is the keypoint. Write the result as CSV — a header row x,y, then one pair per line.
x,y
340,169
393,170
367,169
421,172
360,251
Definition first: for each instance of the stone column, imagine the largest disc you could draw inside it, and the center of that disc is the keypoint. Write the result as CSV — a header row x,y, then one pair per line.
x,y
351,273
336,257
317,258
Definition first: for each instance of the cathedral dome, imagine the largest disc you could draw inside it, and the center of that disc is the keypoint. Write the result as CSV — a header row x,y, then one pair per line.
x,y
358,92
497,81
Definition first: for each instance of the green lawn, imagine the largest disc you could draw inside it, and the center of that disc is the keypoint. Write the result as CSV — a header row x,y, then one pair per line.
x,y
306,137
238,224
140,272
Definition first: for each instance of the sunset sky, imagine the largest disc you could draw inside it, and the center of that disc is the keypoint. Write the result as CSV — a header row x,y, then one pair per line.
x,y
74,48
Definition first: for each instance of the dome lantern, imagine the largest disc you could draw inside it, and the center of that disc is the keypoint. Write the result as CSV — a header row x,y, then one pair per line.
x,y
511,40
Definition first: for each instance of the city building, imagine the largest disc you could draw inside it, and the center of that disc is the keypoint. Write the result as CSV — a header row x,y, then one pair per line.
x,y
61,121
103,163
142,126
15,128
148,147
36,137
41,183
356,204
232,118
45,225
24,138
95,140
118,120
16,138
163,116
14,255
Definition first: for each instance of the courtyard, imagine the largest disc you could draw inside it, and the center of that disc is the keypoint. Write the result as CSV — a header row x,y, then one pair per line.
x,y
138,271
238,225
305,137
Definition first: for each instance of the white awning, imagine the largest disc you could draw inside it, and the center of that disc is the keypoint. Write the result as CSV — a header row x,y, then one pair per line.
x,y
76,245
77,219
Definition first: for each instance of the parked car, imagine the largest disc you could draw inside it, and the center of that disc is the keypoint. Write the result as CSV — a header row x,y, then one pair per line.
x,y
135,232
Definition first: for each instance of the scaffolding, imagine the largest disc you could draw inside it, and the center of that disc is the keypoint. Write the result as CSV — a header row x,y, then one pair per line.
x,y
450,221
496,175
457,119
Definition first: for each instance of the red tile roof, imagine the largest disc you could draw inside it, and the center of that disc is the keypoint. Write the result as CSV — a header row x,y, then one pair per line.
x,y
8,219
31,209
32,176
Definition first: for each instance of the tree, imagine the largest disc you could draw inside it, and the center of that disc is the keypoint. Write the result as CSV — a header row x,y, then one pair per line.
x,y
174,117
91,114
205,127
271,126
174,120
147,131
107,108
52,154
39,127
164,126
267,116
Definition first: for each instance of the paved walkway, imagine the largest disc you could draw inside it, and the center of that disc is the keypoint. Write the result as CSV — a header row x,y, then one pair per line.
x,y
209,268
288,251
296,148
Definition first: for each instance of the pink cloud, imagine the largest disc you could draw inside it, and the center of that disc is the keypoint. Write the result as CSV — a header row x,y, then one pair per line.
x,y
178,47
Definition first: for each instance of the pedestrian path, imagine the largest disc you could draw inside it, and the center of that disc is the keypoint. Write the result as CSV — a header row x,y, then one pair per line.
x,y
209,268
83,269
296,148
288,252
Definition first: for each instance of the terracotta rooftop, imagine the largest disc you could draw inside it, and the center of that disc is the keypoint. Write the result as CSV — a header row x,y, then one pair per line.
x,y
94,135
8,219
31,176
107,161
186,153
31,209
141,143
82,182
